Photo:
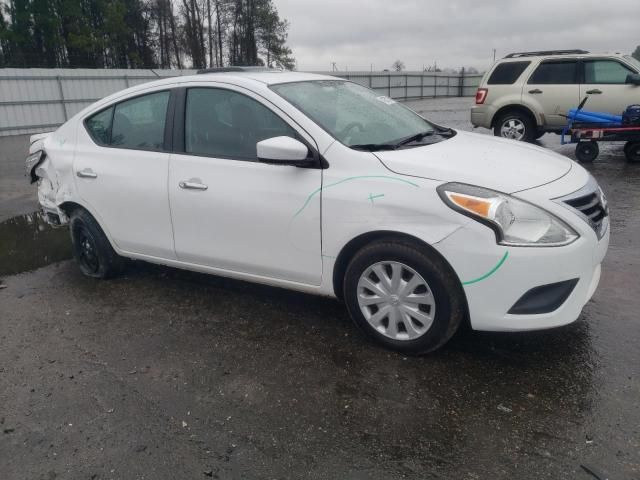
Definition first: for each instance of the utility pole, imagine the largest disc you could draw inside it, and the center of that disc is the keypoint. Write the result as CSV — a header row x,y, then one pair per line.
x,y
494,55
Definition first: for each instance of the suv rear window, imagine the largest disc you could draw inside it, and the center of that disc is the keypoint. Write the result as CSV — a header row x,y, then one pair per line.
x,y
507,73
557,72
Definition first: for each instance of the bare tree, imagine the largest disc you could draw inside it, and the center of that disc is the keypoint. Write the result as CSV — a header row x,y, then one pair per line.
x,y
398,66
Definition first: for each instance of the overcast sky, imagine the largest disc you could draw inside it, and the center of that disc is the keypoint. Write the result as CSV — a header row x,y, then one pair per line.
x,y
358,33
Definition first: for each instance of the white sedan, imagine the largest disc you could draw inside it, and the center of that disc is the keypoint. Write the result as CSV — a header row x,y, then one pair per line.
x,y
317,184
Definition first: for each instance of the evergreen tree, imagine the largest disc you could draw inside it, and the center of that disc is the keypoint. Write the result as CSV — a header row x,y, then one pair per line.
x,y
142,33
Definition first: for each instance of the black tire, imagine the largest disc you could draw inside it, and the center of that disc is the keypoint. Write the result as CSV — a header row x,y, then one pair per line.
x,y
539,134
530,129
91,248
450,303
587,152
632,151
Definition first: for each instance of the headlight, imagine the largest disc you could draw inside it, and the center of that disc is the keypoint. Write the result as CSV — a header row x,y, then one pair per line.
x,y
515,222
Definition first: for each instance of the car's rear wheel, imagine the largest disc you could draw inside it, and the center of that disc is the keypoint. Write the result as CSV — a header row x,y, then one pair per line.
x,y
515,125
91,248
403,297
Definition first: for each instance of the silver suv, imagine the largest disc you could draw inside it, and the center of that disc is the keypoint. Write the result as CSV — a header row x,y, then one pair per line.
x,y
527,94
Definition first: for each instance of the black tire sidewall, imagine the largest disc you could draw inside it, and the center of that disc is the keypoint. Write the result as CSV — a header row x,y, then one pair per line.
x,y
629,154
442,282
582,157
530,131
109,263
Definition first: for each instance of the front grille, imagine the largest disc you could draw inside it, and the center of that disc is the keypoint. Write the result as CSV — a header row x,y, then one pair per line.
x,y
591,204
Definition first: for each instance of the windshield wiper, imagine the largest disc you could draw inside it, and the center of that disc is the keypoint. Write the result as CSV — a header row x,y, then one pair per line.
x,y
416,137
446,131
373,147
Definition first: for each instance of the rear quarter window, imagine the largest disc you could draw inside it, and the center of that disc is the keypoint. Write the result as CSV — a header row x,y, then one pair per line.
x,y
99,126
507,73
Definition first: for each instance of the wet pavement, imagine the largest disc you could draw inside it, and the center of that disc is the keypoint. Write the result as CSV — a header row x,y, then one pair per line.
x,y
169,374
16,198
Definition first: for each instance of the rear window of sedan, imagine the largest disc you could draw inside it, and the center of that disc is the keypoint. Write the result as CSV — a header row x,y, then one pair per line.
x,y
507,73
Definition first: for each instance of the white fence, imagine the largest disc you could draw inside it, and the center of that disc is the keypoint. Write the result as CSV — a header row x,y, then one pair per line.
x,y
36,99
412,85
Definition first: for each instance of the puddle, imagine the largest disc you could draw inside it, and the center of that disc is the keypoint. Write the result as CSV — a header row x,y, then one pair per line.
x,y
28,242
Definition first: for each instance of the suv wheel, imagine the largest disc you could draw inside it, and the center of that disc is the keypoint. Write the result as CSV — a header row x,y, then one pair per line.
x,y
516,126
402,297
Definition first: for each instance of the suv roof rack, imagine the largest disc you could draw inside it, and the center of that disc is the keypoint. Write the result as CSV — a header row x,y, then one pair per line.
x,y
238,68
545,53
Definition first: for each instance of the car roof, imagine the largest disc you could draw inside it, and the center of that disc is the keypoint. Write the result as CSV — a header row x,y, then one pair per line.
x,y
247,79
268,77
263,77
524,58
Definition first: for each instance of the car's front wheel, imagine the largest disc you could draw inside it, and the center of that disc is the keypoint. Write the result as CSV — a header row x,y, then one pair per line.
x,y
403,297
91,248
515,125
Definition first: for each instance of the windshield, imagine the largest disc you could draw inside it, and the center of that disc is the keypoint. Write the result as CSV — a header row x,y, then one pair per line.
x,y
353,114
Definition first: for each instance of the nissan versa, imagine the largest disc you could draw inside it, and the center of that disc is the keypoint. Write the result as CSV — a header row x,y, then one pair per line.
x,y
320,185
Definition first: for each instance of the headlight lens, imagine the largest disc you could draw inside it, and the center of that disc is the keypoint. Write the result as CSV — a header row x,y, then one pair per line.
x,y
516,222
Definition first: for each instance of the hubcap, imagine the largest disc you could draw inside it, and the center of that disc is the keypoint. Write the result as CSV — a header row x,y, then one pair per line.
x,y
396,300
513,128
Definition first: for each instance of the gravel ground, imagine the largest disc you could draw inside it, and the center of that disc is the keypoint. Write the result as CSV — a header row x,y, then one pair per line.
x,y
165,374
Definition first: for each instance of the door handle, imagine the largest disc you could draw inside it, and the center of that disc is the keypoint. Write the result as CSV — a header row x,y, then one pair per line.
x,y
535,91
594,92
86,173
192,185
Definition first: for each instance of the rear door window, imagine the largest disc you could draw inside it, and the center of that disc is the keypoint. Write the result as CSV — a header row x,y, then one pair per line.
x,y
563,72
605,72
139,123
507,73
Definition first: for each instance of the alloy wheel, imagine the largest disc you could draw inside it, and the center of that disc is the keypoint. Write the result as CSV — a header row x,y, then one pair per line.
x,y
513,128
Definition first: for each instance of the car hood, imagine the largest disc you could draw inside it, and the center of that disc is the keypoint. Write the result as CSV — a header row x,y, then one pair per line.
x,y
491,162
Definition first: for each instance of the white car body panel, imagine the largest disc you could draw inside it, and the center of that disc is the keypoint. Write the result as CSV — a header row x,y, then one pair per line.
x,y
128,196
476,156
286,226
245,220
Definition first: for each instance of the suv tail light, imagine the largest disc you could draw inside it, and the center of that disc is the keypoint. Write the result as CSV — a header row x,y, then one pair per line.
x,y
481,95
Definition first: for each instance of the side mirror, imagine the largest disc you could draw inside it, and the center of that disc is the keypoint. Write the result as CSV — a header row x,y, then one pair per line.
x,y
633,79
284,151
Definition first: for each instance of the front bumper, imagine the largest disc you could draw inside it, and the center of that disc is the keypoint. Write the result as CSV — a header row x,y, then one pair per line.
x,y
491,292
